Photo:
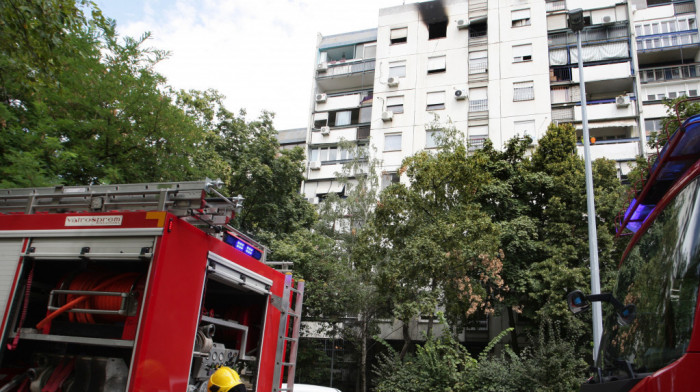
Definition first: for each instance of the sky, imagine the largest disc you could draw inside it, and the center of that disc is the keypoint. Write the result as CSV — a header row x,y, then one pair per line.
x,y
260,54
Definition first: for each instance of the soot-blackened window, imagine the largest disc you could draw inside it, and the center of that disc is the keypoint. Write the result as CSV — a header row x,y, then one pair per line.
x,y
437,30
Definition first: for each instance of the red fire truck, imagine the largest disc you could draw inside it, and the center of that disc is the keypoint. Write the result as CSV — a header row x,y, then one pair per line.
x,y
653,343
141,287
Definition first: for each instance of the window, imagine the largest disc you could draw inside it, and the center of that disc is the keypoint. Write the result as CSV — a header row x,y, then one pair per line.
x,y
320,120
478,99
665,301
477,136
523,91
520,17
399,35
432,139
436,64
366,51
395,104
343,118
437,30
392,142
390,178
522,53
435,100
323,154
397,69
478,62
653,125
478,29
525,128
365,114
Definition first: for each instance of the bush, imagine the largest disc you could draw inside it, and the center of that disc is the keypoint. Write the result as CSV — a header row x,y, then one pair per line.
x,y
550,364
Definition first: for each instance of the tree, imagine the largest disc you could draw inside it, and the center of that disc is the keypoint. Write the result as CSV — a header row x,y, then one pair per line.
x,y
440,249
338,260
82,106
539,203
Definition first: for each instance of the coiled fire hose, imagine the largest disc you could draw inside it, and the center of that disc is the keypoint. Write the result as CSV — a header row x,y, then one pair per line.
x,y
93,281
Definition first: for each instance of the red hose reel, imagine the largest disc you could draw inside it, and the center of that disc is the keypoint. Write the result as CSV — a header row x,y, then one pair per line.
x,y
97,297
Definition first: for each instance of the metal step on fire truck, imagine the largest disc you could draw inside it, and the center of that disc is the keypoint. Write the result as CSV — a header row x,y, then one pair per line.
x,y
141,287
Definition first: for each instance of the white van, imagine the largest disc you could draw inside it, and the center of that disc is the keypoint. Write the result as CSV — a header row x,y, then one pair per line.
x,y
310,388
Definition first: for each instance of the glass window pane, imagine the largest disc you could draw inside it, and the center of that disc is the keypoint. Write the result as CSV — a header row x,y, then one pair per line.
x,y
343,118
365,114
392,142
398,71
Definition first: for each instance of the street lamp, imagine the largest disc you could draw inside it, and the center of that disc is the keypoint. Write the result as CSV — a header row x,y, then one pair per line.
x,y
576,23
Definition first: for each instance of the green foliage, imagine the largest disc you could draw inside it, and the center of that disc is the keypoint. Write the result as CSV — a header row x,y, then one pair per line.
x,y
676,109
441,364
84,106
539,202
551,364
440,249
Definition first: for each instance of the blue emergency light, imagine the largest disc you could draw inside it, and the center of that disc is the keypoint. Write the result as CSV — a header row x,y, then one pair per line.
x,y
242,246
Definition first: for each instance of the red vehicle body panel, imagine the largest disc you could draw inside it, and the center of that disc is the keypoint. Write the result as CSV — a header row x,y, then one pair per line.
x,y
171,305
680,376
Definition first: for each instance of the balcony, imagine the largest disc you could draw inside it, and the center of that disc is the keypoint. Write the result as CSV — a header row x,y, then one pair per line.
x,y
664,74
565,94
606,109
606,79
347,75
337,134
478,108
664,40
620,149
563,115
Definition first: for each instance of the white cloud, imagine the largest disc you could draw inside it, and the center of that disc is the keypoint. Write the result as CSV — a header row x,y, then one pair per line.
x,y
260,53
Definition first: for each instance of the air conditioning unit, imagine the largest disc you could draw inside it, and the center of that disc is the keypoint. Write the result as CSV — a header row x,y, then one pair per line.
x,y
322,67
622,101
607,19
312,200
393,81
387,116
462,24
315,165
460,94
325,131
320,98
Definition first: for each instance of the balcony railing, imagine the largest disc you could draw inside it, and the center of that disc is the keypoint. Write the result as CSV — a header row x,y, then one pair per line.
x,y
662,74
566,94
556,5
476,142
478,65
656,42
478,105
563,114
589,35
348,68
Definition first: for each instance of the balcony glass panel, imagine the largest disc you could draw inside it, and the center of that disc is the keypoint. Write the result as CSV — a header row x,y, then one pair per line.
x,y
349,68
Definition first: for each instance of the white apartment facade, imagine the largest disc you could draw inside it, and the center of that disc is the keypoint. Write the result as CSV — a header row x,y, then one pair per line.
x,y
497,70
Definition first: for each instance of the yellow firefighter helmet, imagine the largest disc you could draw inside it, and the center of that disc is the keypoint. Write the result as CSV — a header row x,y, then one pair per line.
x,y
223,380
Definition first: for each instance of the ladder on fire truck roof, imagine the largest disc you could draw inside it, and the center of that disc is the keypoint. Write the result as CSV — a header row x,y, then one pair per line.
x,y
290,323
186,199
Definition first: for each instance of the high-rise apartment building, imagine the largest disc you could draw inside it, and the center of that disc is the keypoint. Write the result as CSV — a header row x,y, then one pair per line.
x,y
497,69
